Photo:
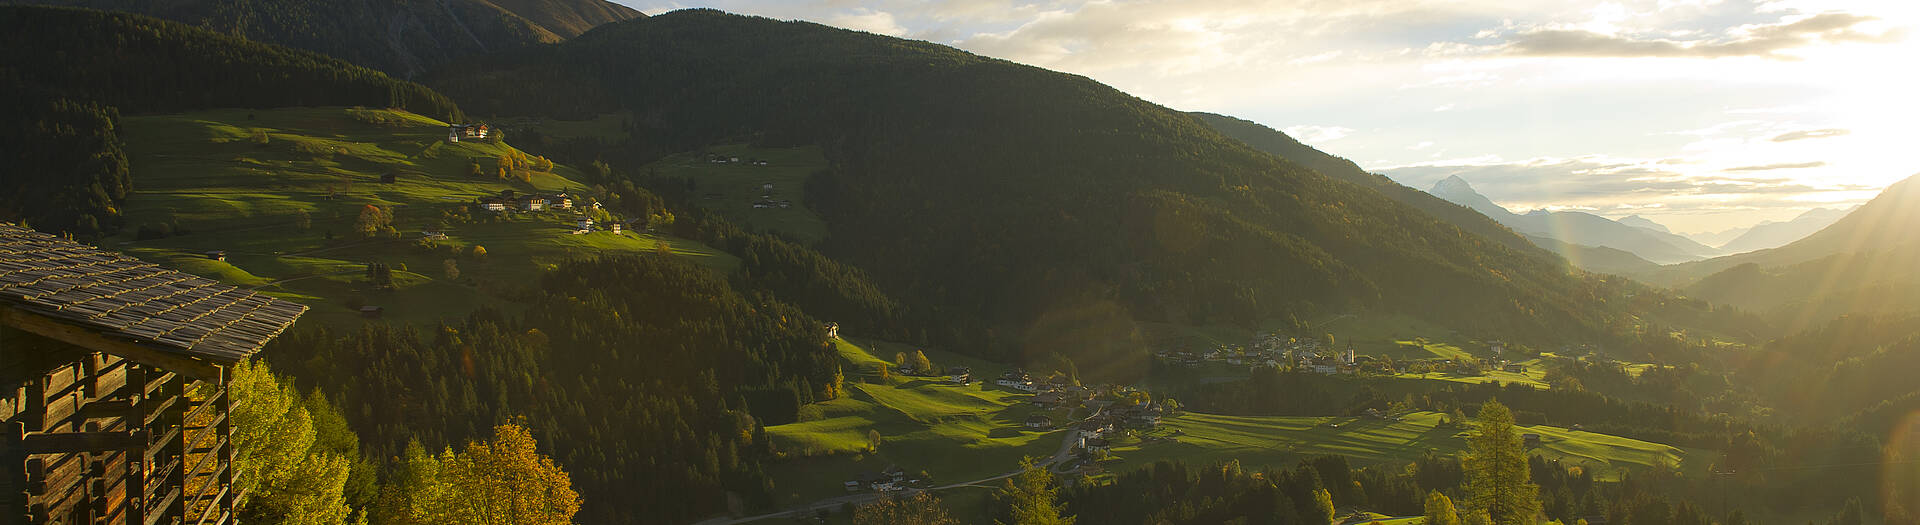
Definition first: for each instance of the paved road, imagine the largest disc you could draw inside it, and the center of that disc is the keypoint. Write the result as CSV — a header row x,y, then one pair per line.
x,y
1059,456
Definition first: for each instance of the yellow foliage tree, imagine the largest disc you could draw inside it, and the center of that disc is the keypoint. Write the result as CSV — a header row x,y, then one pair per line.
x,y
283,477
503,481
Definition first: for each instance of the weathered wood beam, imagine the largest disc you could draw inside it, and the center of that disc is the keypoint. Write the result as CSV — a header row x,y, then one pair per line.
x,y
64,442
79,336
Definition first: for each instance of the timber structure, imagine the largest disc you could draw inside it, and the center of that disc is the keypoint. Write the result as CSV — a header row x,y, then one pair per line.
x,y
113,385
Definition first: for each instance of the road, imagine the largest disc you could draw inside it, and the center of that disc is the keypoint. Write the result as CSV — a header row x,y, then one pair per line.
x,y
1059,456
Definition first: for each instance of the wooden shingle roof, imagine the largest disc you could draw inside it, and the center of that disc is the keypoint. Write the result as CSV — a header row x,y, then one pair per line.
x,y
123,298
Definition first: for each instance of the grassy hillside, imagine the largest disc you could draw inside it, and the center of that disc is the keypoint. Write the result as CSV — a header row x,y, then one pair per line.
x,y
405,37
1256,442
729,179
954,433
240,181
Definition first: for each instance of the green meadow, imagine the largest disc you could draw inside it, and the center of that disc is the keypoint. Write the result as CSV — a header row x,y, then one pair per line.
x,y
244,181
732,188
953,433
1281,442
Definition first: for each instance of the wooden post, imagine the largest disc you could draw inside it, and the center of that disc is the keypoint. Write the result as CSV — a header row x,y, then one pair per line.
x,y
136,489
13,462
176,448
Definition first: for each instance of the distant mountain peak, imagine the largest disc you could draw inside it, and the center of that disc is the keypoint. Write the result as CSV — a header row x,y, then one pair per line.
x,y
1643,222
1452,182
1456,190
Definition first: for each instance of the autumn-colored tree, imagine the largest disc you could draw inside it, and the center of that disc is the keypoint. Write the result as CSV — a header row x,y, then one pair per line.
x,y
1498,483
1440,510
478,252
873,439
900,359
921,365
1323,511
921,509
372,220
503,481
283,477
1031,494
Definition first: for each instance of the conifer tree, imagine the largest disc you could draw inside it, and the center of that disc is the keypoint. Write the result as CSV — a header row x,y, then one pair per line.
x,y
1032,495
1496,469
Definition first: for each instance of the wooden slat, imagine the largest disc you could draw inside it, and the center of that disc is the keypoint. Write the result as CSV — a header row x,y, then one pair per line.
x,y
160,510
197,465
215,508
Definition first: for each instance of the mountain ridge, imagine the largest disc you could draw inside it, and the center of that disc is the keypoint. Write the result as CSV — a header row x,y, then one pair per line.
x,y
404,38
1577,228
1009,199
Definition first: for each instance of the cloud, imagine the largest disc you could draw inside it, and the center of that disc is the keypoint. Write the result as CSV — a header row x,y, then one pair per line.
x,y
1754,40
1809,134
869,20
1779,166
1604,183
1317,134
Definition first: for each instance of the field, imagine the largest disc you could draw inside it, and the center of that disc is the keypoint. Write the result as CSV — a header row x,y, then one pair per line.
x,y
732,188
953,433
244,182
1282,441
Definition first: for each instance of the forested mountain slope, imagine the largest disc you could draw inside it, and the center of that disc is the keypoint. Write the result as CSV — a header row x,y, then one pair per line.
x,y
71,72
1007,201
1273,141
401,37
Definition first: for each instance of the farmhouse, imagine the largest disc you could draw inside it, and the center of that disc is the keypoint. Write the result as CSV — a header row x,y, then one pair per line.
x,y
100,353
1046,399
560,201
217,255
531,203
583,223
833,330
960,375
493,204
1038,421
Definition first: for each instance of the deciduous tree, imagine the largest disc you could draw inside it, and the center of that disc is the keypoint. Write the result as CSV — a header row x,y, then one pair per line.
x,y
1440,510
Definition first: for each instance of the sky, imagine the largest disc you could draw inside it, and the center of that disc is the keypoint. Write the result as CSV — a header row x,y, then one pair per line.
x,y
1702,115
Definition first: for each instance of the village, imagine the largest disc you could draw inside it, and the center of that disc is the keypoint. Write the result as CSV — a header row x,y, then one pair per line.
x,y
1275,350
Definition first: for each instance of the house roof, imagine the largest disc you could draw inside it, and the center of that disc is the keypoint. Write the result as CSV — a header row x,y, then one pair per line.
x,y
127,299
